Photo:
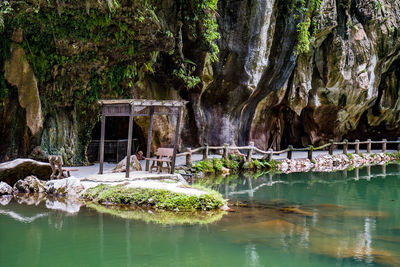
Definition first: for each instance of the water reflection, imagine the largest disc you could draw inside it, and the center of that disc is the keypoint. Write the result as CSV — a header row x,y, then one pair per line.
x,y
306,219
336,215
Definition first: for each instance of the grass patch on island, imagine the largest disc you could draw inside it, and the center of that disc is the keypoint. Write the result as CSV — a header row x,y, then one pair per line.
x,y
156,198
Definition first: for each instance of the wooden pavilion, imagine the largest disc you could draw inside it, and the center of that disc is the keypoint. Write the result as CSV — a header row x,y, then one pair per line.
x,y
138,107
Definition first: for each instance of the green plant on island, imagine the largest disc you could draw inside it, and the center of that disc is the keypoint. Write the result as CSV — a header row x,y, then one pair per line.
x,y
156,198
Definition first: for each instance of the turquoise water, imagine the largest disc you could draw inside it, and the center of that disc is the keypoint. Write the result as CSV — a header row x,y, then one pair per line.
x,y
311,219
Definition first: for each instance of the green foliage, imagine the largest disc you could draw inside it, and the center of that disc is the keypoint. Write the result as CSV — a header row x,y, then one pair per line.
x,y
205,166
201,14
186,75
5,8
309,11
218,165
303,43
158,198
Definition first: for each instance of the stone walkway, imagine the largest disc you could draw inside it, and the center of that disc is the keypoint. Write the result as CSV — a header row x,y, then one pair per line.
x,y
86,171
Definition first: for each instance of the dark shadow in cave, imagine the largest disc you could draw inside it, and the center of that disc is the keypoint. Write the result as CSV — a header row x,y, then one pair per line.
x,y
116,136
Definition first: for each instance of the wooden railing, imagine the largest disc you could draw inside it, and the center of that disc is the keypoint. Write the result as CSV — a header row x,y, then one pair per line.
x,y
251,149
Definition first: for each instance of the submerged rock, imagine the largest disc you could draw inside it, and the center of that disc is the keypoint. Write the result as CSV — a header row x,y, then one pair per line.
x,y
30,184
12,171
5,189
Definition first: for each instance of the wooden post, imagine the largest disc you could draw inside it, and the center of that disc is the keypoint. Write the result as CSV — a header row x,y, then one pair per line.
x,y
310,152
205,152
129,146
289,153
384,145
250,151
357,147
331,147
103,129
225,151
269,155
178,124
149,136
189,157
369,146
398,145
345,146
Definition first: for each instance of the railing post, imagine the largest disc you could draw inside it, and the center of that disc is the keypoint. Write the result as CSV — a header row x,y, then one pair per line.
x,y
369,146
345,146
205,152
225,151
289,153
250,151
398,145
269,155
384,145
189,157
310,150
331,147
357,147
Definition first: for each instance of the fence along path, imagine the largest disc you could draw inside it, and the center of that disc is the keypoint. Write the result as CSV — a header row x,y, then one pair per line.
x,y
251,149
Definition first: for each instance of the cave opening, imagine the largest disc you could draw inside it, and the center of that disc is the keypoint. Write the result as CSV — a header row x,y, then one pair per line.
x,y
116,139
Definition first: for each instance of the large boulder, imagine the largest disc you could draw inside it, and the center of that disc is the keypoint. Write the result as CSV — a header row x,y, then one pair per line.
x,y
30,184
12,171
5,189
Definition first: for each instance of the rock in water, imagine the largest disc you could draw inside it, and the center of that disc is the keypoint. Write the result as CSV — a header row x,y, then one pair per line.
x,y
70,186
30,184
5,189
12,171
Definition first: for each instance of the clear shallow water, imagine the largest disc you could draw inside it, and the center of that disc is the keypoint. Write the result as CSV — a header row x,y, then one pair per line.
x,y
309,219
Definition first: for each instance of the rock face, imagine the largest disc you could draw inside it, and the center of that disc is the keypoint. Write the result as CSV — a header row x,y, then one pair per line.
x,y
19,73
30,184
346,85
5,189
12,171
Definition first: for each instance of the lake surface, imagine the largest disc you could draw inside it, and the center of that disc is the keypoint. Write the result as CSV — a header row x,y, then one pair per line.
x,y
349,218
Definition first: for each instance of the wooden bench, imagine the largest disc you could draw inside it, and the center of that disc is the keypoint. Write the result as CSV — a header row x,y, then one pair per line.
x,y
163,155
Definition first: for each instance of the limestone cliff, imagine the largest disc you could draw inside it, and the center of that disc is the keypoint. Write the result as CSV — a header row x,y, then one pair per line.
x,y
262,88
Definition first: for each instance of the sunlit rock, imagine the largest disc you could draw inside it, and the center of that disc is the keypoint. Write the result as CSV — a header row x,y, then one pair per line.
x,y
5,189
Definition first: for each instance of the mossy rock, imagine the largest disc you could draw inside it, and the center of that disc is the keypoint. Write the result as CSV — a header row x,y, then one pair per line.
x,y
156,198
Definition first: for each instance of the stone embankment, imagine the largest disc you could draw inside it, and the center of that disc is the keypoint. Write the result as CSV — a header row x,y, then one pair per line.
x,y
329,163
156,191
